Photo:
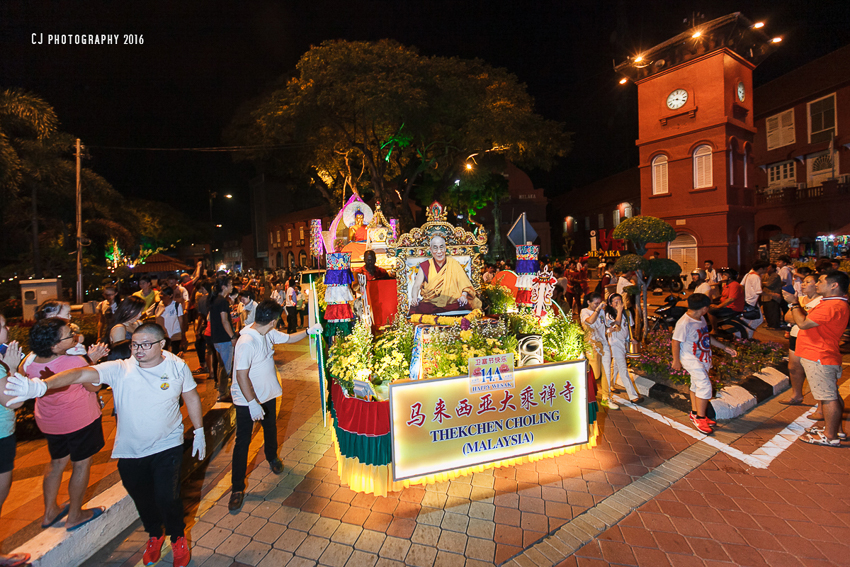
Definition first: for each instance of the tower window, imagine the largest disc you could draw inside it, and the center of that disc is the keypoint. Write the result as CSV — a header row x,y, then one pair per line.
x,y
659,175
702,167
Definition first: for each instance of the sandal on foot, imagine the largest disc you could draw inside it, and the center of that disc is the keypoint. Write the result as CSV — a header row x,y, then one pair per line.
x,y
820,439
814,430
15,560
794,403
62,513
95,514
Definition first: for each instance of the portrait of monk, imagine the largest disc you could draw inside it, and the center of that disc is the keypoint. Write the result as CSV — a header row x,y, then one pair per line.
x,y
357,234
443,283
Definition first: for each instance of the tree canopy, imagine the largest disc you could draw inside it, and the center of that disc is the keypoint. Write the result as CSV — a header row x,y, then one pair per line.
x,y
378,118
642,229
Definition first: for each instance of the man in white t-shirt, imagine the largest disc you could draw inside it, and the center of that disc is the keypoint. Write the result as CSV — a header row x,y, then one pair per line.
x,y
170,316
149,440
711,275
247,307
255,389
623,282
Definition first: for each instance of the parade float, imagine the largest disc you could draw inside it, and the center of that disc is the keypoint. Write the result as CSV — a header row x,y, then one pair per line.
x,y
455,376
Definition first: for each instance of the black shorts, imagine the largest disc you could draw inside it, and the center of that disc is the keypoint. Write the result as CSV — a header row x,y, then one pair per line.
x,y
80,444
7,453
792,343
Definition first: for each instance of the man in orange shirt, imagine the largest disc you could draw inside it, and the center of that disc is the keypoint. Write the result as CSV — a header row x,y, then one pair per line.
x,y
817,347
732,299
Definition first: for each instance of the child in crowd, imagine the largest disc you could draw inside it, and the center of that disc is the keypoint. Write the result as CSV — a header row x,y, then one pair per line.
x,y
247,307
619,322
691,347
599,355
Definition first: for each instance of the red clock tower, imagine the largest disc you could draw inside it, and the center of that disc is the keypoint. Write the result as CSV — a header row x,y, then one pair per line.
x,y
696,133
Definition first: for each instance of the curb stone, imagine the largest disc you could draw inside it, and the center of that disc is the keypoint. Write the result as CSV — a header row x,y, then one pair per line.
x,y
731,401
59,548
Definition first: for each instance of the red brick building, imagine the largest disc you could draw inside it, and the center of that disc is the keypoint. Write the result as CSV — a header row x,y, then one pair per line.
x,y
801,151
696,133
728,167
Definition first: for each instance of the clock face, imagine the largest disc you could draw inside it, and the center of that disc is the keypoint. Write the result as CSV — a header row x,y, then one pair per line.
x,y
677,99
741,92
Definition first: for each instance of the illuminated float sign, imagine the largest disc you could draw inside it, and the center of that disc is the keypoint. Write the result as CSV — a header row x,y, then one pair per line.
x,y
444,424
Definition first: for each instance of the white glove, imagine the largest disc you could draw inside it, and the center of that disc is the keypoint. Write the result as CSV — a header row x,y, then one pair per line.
x,y
199,446
314,329
24,388
257,412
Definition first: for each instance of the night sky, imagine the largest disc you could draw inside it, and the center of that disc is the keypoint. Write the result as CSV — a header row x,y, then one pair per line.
x,y
201,60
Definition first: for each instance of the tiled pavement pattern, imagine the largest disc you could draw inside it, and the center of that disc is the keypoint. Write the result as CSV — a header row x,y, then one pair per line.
x,y
694,505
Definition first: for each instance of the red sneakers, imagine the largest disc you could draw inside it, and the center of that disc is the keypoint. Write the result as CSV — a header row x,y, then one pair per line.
x,y
153,550
702,425
180,549
708,420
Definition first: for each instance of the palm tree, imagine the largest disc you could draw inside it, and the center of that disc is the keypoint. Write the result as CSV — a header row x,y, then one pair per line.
x,y
26,123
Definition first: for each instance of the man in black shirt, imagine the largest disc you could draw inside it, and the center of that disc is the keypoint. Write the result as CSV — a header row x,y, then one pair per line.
x,y
223,336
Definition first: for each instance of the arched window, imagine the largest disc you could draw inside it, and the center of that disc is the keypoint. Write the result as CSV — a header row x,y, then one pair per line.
x,y
659,175
702,167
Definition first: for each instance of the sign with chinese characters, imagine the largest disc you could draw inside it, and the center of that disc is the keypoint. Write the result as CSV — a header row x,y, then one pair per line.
x,y
440,425
490,373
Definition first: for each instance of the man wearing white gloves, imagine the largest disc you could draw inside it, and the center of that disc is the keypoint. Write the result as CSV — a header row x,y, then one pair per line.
x,y
255,390
149,440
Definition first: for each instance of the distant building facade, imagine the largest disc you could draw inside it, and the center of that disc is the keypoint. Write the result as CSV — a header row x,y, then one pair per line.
x,y
586,216
801,152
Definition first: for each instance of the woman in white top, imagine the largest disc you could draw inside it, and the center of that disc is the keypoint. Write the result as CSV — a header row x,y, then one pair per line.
x,y
619,322
807,299
599,355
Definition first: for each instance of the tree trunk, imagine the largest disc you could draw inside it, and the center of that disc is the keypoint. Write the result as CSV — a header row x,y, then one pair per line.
x,y
36,254
644,302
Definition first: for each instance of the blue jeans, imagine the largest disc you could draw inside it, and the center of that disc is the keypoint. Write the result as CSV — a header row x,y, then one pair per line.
x,y
225,351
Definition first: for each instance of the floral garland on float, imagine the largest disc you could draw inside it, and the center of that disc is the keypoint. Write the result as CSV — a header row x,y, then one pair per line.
x,y
510,379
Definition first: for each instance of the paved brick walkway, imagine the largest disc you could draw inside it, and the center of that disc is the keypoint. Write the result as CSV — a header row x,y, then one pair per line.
x,y
648,494
797,512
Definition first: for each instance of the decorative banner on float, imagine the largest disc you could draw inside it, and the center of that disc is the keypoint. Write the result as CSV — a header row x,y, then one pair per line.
x,y
438,425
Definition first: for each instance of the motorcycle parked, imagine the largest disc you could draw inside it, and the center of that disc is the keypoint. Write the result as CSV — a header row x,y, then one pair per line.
x,y
667,315
668,283
736,324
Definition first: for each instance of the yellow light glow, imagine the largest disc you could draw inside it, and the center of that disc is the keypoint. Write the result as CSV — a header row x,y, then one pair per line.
x,y
378,479
639,58
758,25
776,40
229,196
623,81
469,166
696,35
427,449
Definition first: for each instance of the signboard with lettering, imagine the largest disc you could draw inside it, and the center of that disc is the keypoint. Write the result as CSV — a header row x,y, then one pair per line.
x,y
444,424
